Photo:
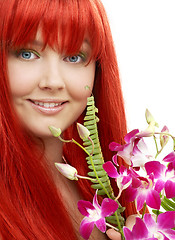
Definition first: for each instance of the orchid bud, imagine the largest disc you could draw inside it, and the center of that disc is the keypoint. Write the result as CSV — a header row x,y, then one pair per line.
x,y
163,137
150,119
67,170
83,131
56,132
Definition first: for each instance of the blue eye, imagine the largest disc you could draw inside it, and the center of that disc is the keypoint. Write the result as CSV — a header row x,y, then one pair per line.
x,y
76,58
27,54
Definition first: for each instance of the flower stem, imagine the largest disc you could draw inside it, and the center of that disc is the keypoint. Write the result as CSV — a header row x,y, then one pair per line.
x,y
144,209
156,146
63,140
97,178
92,163
87,178
116,229
119,226
111,226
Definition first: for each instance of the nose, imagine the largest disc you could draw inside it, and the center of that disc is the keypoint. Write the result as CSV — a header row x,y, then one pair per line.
x,y
52,77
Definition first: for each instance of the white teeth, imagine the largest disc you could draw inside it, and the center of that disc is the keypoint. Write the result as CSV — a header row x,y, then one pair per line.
x,y
47,105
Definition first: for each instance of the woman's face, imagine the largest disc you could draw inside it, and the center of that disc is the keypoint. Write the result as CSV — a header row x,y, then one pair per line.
x,y
48,88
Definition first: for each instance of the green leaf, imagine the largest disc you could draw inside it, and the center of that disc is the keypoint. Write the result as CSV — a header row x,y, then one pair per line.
x,y
168,204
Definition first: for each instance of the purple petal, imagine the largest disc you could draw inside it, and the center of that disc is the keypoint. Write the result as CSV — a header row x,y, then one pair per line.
x,y
108,207
149,221
127,233
152,239
140,200
153,199
170,189
130,194
86,228
126,180
130,135
101,224
156,168
134,173
166,220
115,159
139,159
170,233
110,169
171,166
95,201
83,206
141,146
126,153
123,169
170,157
159,185
113,146
136,182
140,229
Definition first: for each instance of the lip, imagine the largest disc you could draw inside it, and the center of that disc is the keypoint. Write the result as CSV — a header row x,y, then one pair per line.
x,y
46,107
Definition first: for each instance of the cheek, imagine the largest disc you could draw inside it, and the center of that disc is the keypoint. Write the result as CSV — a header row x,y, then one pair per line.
x,y
21,80
77,82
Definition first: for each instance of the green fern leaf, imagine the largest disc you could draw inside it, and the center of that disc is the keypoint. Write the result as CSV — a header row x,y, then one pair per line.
x,y
90,122
168,204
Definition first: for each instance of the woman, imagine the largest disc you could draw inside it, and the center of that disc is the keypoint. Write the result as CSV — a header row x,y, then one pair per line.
x,y
51,50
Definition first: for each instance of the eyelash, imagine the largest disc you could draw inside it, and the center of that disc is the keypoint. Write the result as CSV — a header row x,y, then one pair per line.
x,y
18,53
82,57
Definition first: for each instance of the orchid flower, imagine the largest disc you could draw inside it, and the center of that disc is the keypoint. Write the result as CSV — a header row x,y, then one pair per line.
x,y
165,177
123,179
125,151
148,229
135,152
171,159
95,214
142,190
141,154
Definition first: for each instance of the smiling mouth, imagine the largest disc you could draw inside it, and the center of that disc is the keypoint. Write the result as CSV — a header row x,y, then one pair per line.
x,y
47,104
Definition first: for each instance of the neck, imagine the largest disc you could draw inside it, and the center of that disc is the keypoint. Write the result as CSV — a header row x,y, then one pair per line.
x,y
53,149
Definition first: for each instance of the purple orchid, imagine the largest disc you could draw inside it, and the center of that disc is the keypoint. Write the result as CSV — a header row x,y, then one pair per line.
x,y
123,179
134,152
125,151
142,190
165,177
171,159
95,214
140,154
148,229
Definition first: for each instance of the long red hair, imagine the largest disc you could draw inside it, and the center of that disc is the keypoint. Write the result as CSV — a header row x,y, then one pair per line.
x,y
30,207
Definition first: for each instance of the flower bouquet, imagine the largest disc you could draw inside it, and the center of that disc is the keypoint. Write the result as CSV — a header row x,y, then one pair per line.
x,y
148,180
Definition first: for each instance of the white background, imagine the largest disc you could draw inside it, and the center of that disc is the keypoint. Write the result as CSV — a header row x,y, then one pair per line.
x,y
144,37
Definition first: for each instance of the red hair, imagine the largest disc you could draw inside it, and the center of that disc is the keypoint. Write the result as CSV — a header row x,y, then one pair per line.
x,y
30,207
